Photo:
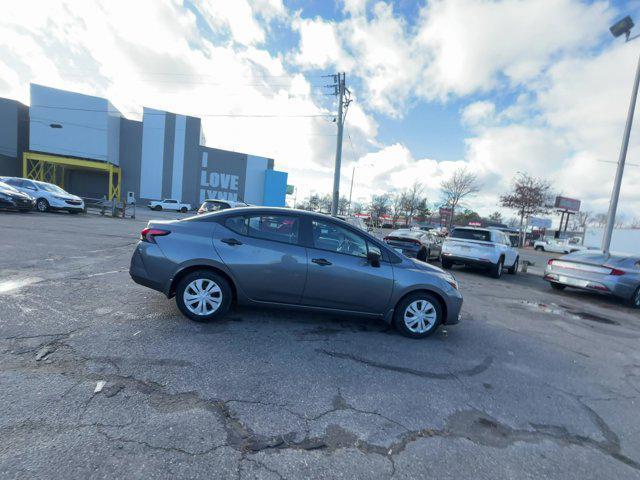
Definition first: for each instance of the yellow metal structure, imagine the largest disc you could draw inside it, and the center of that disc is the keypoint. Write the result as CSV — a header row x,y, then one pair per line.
x,y
51,168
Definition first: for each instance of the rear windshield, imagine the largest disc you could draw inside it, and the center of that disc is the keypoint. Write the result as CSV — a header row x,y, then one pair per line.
x,y
469,234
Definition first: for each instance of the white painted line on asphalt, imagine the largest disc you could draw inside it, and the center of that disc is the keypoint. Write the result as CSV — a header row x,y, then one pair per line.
x,y
99,386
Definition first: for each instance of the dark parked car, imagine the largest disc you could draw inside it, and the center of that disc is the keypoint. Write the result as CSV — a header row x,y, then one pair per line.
x,y
214,205
415,243
273,256
610,274
13,199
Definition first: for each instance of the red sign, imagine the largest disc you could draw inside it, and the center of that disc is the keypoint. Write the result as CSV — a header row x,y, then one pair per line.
x,y
475,224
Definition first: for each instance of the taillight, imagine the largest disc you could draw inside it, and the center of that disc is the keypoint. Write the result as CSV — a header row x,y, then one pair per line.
x,y
386,239
149,234
550,261
617,272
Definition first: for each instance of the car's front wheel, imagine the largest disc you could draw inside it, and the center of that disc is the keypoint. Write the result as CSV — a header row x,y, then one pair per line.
x,y
42,205
418,315
423,255
446,264
183,210
557,286
157,208
539,248
203,295
514,269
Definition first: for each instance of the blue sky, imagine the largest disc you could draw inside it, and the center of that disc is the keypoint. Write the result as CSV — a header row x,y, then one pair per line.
x,y
494,86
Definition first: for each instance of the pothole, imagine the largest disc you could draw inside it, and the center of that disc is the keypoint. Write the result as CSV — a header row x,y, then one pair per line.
x,y
565,311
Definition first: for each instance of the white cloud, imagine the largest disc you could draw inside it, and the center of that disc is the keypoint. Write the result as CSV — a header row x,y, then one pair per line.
x,y
477,112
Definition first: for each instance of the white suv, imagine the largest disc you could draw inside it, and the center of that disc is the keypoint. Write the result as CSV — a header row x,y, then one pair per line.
x,y
483,247
48,196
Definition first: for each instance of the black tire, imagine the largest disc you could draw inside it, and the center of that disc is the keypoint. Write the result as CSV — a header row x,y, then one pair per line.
x,y
497,269
42,205
446,264
539,248
183,209
24,210
514,268
157,208
74,212
557,286
634,301
423,255
206,275
398,316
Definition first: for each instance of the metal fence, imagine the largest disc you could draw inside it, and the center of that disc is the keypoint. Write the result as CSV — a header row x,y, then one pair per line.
x,y
111,208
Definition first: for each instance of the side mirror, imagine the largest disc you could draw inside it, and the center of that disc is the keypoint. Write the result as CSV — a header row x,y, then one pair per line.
x,y
373,258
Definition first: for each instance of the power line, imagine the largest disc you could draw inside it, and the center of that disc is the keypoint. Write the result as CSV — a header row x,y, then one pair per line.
x,y
236,115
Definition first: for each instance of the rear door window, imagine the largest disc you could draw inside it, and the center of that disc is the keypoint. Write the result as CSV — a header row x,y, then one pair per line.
x,y
277,228
237,224
470,234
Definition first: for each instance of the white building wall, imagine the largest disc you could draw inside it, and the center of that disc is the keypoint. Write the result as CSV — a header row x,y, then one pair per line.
x,y
90,125
152,162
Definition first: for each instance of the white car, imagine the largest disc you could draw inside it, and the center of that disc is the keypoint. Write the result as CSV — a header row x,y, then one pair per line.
x,y
484,247
48,196
559,246
169,204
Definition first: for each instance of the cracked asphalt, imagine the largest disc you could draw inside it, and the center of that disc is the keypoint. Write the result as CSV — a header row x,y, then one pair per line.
x,y
531,384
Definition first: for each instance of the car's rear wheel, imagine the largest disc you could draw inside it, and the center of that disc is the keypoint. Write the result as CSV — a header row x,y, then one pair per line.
x,y
423,255
539,248
557,286
418,315
203,295
183,209
634,301
446,264
497,269
42,205
514,269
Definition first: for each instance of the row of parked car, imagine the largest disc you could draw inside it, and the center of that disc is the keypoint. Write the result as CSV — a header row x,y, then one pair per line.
x,y
24,195
616,275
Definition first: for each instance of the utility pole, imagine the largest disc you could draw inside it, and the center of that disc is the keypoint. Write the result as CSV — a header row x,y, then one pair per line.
x,y
353,172
344,100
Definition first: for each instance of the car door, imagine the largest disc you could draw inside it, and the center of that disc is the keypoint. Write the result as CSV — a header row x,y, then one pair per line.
x,y
264,254
339,274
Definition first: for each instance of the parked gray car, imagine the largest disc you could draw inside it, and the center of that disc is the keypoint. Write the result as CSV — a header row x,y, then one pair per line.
x,y
419,244
610,274
283,257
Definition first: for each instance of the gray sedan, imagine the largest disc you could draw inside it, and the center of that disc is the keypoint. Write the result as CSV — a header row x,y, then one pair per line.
x,y
610,274
415,243
282,257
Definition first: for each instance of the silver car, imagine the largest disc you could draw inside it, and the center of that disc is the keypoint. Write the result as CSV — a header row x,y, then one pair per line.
x,y
283,257
610,274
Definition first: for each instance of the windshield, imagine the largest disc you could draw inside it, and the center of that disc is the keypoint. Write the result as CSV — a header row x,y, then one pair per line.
x,y
49,187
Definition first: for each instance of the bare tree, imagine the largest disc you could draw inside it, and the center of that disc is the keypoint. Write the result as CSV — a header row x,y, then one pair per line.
x,y
462,184
496,217
379,206
600,219
529,196
357,207
343,206
397,204
580,220
412,199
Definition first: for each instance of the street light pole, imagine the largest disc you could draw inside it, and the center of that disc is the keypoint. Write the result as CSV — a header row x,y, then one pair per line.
x,y
615,193
353,172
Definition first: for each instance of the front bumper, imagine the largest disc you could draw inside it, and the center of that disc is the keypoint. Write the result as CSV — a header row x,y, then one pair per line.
x,y
17,204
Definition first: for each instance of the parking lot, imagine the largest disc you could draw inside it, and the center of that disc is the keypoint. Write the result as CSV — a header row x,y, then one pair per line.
x,y
532,383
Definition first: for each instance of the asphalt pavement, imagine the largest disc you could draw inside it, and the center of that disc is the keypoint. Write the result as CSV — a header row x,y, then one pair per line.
x,y
102,378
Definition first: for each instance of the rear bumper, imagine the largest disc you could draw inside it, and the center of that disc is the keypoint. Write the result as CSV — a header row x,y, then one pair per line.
x,y
604,286
459,260
140,275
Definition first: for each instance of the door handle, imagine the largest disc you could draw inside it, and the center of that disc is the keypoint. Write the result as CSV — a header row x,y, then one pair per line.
x,y
321,261
231,241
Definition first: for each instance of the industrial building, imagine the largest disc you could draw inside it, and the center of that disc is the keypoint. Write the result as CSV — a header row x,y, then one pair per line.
x,y
85,145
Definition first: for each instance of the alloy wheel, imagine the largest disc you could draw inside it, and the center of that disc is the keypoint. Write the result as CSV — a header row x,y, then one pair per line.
x,y
202,296
420,316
